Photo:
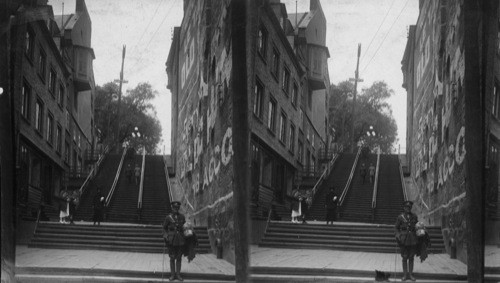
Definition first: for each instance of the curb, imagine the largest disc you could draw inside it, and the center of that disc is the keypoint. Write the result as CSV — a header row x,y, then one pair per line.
x,y
348,273
116,273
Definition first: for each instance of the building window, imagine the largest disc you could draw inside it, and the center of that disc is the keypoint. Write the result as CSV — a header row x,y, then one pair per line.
x,y
58,138
258,94
50,126
300,151
66,152
30,41
295,91
495,101
292,138
52,82
312,139
286,80
60,97
283,127
39,116
498,38
25,100
262,41
276,63
42,62
271,118
67,120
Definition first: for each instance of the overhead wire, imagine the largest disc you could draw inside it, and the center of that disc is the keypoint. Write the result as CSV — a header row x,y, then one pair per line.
x,y
150,21
378,29
154,34
380,45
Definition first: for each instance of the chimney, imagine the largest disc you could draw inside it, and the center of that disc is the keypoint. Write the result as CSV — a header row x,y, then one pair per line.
x,y
314,5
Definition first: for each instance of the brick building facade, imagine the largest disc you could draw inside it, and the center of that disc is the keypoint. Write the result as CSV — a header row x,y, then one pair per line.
x,y
51,135
287,92
433,68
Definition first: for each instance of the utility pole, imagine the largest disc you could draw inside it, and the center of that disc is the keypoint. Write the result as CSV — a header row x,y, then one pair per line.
x,y
242,14
121,81
356,79
477,14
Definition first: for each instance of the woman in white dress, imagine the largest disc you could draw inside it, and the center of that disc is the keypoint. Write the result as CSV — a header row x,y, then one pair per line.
x,y
63,211
296,208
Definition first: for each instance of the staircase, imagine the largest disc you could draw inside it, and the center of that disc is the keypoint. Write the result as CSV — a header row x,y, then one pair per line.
x,y
390,190
337,178
341,236
155,199
123,205
357,206
104,179
126,238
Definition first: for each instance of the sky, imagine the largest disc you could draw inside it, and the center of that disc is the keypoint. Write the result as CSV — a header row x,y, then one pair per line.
x,y
146,28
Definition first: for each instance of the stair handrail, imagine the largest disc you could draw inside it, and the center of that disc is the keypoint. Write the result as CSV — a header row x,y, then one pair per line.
x,y
375,185
405,195
141,183
326,172
112,190
93,172
39,212
346,188
169,188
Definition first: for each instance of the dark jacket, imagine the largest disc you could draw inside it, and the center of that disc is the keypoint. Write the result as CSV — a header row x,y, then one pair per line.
x,y
329,202
304,206
191,244
173,229
405,229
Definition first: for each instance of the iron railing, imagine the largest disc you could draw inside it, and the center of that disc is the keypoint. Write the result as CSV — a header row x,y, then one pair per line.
x,y
346,188
375,185
405,195
93,172
141,183
326,172
169,188
112,190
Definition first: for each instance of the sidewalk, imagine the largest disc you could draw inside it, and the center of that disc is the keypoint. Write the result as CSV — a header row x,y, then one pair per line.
x,y
95,263
266,265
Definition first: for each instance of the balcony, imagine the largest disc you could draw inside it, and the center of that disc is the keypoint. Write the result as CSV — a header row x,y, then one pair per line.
x,y
317,69
83,67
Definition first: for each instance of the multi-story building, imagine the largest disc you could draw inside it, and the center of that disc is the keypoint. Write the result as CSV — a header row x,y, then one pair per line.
x,y
492,127
53,98
76,49
288,83
433,69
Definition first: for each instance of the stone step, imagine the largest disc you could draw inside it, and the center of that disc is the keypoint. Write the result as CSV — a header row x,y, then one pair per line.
x,y
143,238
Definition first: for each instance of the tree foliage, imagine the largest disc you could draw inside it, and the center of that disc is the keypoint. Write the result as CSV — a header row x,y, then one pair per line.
x,y
372,110
136,111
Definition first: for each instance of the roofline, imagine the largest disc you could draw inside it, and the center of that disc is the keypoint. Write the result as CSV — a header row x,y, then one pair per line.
x,y
50,41
282,36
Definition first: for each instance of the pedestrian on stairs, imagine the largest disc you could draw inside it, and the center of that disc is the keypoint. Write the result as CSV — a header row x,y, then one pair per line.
x,y
173,235
128,173
371,171
98,206
406,239
362,172
137,172
71,209
296,207
305,208
331,206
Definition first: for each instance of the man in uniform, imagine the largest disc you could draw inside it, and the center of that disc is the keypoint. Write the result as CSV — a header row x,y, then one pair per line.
x,y
173,235
406,238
